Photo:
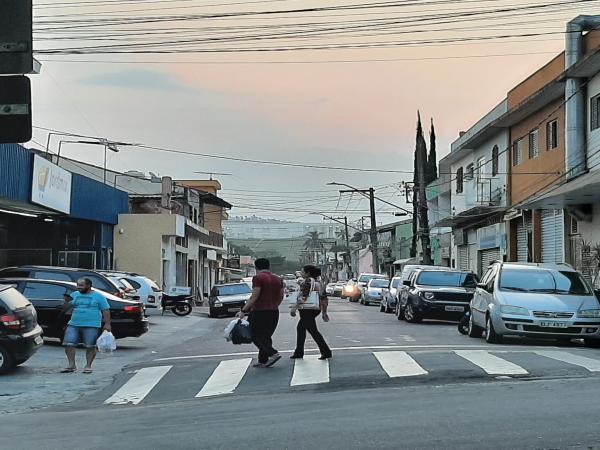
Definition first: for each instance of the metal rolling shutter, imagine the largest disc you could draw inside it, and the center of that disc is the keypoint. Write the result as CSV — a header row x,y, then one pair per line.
x,y
552,236
522,248
463,257
486,257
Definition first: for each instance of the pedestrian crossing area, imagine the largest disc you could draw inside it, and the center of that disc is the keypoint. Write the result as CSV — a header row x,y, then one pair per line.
x,y
210,378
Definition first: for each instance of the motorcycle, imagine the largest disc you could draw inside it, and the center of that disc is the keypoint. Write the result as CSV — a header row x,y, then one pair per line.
x,y
463,325
180,305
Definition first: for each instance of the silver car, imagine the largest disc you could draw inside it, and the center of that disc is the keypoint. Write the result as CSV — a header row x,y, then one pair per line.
x,y
375,290
535,300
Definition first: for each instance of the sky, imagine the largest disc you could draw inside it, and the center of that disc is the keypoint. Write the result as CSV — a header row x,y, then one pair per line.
x,y
349,107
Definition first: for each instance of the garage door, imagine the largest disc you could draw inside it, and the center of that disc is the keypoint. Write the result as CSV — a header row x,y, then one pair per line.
x,y
486,257
463,257
552,236
522,242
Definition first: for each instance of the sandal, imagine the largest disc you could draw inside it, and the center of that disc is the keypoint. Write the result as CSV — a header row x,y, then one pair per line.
x,y
87,371
69,370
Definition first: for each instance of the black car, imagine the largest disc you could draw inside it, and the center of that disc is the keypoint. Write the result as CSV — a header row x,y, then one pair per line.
x,y
99,280
435,294
228,299
20,334
127,317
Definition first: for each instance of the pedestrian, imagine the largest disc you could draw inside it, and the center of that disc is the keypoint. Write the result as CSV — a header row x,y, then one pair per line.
x,y
308,317
263,311
89,309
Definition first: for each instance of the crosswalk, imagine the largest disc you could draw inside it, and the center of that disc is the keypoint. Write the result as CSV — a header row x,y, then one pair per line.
x,y
235,375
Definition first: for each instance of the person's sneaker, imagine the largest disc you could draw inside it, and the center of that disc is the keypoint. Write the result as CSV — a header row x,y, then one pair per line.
x,y
259,364
273,359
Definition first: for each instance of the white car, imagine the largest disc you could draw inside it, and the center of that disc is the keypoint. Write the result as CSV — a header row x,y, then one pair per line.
x,y
147,290
329,288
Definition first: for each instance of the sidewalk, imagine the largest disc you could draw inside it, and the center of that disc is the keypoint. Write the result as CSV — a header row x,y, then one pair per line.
x,y
38,383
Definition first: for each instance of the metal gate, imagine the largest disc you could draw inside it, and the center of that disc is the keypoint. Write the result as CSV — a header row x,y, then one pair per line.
x,y
523,237
463,257
486,257
553,236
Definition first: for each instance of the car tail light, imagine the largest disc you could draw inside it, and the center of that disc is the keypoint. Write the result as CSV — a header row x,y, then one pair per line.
x,y
133,309
11,321
151,299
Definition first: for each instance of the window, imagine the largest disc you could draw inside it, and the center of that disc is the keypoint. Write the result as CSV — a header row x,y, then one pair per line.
x,y
442,278
594,116
517,152
41,275
534,147
232,289
552,135
44,291
481,167
459,180
101,283
495,161
133,283
469,172
574,226
567,283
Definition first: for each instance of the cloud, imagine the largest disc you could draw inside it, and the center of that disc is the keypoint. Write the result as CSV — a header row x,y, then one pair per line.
x,y
139,79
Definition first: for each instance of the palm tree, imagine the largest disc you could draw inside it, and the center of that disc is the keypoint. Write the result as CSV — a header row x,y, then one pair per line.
x,y
314,244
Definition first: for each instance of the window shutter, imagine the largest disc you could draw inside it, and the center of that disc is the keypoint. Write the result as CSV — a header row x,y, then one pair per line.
x,y
594,112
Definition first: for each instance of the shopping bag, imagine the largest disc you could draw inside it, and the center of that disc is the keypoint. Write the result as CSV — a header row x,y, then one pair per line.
x,y
106,342
293,298
229,329
241,333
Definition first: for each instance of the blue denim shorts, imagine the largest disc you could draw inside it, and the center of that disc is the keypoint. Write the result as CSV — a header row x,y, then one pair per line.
x,y
81,335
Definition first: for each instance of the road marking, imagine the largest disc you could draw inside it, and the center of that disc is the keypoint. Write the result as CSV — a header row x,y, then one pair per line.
x,y
226,377
493,365
138,386
310,370
593,365
399,364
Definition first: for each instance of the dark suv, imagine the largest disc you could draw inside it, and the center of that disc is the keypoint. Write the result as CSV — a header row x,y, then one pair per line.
x,y
20,334
435,294
99,280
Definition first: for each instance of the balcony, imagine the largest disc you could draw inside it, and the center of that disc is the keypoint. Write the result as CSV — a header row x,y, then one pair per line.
x,y
212,240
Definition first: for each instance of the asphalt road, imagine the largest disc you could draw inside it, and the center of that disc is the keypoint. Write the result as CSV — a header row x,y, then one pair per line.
x,y
389,385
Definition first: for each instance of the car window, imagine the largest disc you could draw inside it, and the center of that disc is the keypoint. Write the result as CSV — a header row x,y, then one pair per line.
x,y
395,282
379,283
234,289
101,283
571,282
133,283
443,278
33,290
364,278
45,275
548,281
15,273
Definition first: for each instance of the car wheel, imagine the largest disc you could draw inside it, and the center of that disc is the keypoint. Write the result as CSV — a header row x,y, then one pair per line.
x,y
399,312
593,343
491,337
474,330
410,314
7,362
366,302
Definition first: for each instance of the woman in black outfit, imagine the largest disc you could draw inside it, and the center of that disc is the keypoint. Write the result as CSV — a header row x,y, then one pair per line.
x,y
308,317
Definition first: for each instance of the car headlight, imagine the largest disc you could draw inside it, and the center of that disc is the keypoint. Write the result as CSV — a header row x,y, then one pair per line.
x,y
516,310
428,295
589,313
217,303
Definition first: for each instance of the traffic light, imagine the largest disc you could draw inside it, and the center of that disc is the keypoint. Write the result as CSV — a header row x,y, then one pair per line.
x,y
16,59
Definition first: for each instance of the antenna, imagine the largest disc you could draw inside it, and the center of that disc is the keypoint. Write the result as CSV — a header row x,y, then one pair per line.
x,y
215,173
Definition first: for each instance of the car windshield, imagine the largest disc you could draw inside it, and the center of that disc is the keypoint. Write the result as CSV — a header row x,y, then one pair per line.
x,y
234,289
379,283
547,281
365,278
396,282
455,279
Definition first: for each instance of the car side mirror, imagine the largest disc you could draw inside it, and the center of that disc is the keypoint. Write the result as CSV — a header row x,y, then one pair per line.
x,y
406,283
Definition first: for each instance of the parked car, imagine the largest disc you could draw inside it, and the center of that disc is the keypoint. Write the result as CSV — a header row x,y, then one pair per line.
x,y
20,334
364,279
351,291
407,273
47,296
148,291
129,292
375,291
228,299
437,294
99,280
535,300
390,298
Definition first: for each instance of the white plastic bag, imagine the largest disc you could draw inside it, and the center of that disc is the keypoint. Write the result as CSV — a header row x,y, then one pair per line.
x,y
229,329
106,342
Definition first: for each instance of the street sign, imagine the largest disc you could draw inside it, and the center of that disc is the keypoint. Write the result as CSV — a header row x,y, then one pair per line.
x,y
16,37
15,109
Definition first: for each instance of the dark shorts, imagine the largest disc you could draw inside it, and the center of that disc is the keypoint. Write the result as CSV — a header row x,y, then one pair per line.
x,y
81,335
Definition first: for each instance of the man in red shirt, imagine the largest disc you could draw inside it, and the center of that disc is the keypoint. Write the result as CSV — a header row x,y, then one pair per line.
x,y
263,306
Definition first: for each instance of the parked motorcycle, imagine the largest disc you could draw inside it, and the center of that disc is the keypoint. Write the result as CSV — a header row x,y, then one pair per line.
x,y
463,325
180,305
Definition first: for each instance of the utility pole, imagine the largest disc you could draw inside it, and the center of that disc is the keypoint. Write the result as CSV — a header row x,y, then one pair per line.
x,y
374,246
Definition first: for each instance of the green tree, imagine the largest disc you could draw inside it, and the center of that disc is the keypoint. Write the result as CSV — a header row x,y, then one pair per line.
x,y
431,174
313,244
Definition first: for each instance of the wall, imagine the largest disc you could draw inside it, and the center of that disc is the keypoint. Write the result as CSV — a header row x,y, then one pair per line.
x,y
16,166
592,137
536,81
96,201
524,182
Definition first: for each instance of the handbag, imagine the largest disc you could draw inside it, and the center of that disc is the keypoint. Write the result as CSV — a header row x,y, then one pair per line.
x,y
313,301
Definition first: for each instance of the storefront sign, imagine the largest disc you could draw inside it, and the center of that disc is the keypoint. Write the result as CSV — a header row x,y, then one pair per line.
x,y
488,237
211,255
51,185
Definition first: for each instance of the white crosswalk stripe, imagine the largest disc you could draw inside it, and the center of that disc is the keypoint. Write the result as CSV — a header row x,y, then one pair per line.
x,y
593,365
310,370
492,364
138,386
399,364
226,377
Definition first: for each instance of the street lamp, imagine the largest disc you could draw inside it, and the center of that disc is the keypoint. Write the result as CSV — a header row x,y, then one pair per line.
x,y
108,145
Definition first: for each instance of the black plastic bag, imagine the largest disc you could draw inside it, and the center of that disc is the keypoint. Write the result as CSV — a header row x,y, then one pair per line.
x,y
241,333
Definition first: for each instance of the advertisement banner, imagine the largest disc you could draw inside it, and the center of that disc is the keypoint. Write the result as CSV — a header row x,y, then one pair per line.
x,y
51,185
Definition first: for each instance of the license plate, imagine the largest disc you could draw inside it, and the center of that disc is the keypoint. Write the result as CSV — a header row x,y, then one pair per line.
x,y
38,340
553,324
455,308
233,309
